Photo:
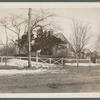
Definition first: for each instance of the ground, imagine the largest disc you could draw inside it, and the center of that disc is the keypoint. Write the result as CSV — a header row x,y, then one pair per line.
x,y
61,80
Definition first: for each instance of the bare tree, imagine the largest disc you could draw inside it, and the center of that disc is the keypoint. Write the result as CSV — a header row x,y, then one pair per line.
x,y
14,26
79,38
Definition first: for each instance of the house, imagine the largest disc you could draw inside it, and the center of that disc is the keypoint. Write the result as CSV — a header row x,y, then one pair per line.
x,y
86,53
63,50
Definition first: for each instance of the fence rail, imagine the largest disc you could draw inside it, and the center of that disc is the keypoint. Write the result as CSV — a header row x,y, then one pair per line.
x,y
48,60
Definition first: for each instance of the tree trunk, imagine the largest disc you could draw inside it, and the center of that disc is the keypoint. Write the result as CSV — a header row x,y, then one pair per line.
x,y
77,57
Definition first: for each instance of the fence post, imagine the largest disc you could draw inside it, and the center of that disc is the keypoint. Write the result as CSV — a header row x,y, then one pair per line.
x,y
50,60
37,59
62,61
89,60
96,61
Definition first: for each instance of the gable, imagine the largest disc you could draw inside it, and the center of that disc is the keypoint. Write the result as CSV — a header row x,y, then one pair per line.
x,y
63,38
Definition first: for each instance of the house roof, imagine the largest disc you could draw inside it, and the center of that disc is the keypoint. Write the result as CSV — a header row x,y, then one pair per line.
x,y
63,38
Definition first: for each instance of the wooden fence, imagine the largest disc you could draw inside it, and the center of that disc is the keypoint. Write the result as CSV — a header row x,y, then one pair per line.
x,y
47,60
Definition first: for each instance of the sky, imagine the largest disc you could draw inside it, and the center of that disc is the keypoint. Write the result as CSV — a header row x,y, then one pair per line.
x,y
63,18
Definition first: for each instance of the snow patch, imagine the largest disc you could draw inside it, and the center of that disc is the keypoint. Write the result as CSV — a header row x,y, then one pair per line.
x,y
22,72
22,63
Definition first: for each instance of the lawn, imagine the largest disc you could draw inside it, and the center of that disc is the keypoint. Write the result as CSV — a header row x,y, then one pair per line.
x,y
60,80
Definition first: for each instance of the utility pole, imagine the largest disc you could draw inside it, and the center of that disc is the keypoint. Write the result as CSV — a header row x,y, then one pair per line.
x,y
6,47
29,37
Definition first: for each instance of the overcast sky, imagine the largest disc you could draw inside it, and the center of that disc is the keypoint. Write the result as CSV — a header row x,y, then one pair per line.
x,y
64,18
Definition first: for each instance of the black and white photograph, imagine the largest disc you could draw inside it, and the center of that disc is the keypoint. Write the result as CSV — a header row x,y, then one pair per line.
x,y
50,49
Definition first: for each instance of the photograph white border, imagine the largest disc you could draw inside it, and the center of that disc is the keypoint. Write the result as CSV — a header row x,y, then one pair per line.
x,y
50,5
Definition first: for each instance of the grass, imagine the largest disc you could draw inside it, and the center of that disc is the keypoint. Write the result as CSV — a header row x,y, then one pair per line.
x,y
66,79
